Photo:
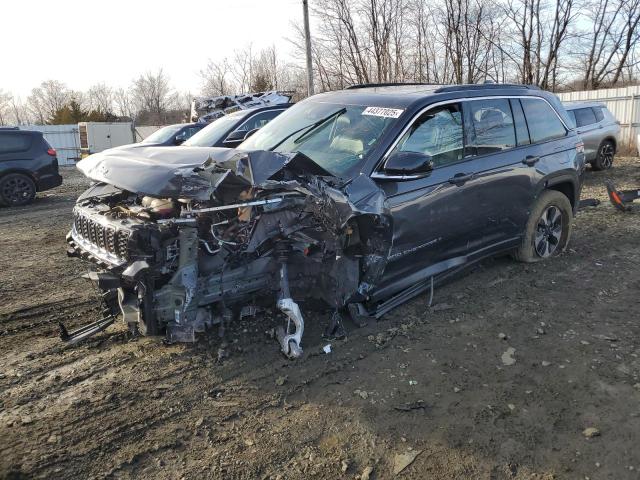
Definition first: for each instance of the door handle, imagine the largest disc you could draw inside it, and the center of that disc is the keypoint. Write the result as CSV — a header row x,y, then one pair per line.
x,y
460,179
530,160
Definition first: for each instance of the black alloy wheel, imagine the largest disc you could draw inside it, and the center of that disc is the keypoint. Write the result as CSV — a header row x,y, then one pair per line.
x,y
548,232
16,189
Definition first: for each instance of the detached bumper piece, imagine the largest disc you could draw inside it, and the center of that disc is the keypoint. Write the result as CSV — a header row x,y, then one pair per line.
x,y
622,198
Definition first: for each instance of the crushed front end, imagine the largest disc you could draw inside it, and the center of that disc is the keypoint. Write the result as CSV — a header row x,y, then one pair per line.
x,y
177,248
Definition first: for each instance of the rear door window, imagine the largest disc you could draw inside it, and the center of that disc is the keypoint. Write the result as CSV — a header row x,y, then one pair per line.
x,y
14,142
597,111
542,120
584,117
492,127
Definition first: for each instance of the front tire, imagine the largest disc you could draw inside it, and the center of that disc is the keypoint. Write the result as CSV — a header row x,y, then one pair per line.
x,y
16,189
548,229
604,160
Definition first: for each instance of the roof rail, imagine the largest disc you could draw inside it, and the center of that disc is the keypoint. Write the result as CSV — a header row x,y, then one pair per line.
x,y
390,84
483,86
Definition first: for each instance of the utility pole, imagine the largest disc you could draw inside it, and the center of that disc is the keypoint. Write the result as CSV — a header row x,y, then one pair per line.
x,y
307,41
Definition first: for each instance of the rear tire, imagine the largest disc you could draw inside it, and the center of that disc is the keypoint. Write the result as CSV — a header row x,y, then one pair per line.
x,y
16,189
548,229
604,159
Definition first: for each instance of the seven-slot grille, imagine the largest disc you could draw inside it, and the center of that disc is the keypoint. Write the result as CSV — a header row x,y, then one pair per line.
x,y
104,237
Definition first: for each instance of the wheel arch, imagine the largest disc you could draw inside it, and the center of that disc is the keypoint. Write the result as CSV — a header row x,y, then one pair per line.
x,y
612,140
26,173
567,188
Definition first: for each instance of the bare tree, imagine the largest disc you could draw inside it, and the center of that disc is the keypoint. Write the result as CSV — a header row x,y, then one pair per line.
x,y
631,15
19,111
5,107
123,103
215,79
47,99
382,19
152,94
469,38
539,33
242,68
101,98
268,67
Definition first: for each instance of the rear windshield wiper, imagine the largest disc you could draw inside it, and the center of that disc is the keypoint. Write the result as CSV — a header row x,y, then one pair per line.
x,y
309,128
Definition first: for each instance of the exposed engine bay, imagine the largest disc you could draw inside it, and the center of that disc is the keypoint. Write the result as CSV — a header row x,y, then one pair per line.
x,y
180,246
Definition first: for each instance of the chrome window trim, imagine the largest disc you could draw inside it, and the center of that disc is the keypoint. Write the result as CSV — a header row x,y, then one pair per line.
x,y
377,171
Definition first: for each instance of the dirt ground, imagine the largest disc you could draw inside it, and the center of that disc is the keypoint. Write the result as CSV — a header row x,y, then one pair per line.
x,y
438,384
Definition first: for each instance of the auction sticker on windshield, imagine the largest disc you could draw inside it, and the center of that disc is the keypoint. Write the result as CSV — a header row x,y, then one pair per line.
x,y
383,112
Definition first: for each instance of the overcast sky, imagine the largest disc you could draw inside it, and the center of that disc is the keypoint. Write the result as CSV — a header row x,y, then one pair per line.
x,y
83,42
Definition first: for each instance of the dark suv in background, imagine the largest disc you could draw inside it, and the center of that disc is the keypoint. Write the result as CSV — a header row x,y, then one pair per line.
x,y
28,165
231,130
172,135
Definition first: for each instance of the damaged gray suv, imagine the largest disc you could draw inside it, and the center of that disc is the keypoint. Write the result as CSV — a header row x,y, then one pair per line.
x,y
357,200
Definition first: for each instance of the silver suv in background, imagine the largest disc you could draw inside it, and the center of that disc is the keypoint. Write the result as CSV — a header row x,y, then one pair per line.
x,y
599,130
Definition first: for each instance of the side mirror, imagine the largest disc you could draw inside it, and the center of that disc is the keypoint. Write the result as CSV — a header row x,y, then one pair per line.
x,y
178,140
406,163
236,136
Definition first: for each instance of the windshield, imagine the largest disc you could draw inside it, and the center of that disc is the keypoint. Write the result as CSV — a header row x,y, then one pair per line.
x,y
213,133
162,135
336,137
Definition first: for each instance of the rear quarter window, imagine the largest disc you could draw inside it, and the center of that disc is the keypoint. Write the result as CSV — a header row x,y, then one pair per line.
x,y
598,113
14,142
584,117
542,120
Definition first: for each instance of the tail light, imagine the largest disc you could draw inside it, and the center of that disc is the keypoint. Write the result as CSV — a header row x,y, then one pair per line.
x,y
52,152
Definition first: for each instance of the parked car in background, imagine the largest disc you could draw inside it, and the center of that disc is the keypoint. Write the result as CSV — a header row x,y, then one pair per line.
x,y
28,164
232,129
361,199
172,135
599,130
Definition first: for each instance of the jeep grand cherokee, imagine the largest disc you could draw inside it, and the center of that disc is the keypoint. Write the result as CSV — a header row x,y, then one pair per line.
x,y
361,199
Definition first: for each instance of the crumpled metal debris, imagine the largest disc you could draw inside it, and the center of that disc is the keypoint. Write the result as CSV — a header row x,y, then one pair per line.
x,y
332,236
208,109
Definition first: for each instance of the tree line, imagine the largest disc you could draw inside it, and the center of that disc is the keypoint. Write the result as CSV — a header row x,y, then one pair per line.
x,y
150,99
555,44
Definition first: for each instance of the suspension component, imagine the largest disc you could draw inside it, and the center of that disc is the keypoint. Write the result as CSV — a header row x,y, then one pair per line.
x,y
290,343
